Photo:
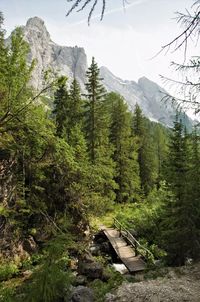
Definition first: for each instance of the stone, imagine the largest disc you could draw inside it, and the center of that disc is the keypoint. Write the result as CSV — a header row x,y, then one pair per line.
x,y
82,294
93,270
29,245
105,247
81,280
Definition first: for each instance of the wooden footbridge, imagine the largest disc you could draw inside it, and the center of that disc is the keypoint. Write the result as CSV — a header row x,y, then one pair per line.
x,y
128,249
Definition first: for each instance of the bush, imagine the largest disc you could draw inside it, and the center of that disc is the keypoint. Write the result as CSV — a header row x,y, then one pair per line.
x,y
6,294
51,279
8,270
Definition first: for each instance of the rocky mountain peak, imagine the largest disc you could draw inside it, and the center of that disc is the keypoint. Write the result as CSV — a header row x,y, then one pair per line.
x,y
35,29
35,21
63,60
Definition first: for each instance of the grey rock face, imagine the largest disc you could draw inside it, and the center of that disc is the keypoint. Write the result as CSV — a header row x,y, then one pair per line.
x,y
69,61
147,94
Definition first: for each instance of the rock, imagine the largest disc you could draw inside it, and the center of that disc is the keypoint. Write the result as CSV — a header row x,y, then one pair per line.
x,y
93,270
27,274
80,280
73,264
82,294
95,250
69,61
183,287
105,247
29,245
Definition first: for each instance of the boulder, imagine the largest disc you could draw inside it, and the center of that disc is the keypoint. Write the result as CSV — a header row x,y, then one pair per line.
x,y
82,294
93,270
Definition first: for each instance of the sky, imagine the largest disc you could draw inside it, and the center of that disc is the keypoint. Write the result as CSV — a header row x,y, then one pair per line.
x,y
126,41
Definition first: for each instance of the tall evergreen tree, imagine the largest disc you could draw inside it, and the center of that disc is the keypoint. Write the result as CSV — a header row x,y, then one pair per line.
x,y
180,229
76,105
146,158
97,135
60,111
194,191
125,150
96,117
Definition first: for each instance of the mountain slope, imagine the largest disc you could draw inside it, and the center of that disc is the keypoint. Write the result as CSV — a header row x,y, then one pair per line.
x,y
146,93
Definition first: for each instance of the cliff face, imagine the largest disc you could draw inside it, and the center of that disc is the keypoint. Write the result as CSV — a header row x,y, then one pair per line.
x,y
147,94
70,61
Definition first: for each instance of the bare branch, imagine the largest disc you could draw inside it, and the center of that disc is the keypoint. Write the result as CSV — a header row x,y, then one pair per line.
x,y
192,29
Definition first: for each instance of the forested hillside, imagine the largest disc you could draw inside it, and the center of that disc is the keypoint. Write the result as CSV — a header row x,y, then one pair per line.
x,y
84,157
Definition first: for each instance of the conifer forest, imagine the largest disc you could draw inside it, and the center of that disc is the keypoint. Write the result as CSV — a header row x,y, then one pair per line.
x,y
75,160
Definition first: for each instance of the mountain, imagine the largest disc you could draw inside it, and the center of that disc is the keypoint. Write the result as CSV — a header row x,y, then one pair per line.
x,y
149,96
72,62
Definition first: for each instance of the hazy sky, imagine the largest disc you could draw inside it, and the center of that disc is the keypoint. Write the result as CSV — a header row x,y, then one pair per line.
x,y
125,41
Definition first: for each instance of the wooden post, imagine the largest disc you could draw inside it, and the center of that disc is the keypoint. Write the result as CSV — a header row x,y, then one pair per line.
x,y
136,250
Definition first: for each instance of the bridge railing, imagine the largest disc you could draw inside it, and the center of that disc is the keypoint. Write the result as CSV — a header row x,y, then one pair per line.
x,y
139,249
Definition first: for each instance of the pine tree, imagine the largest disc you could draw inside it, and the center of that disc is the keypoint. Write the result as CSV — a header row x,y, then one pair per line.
x,y
125,150
179,226
178,160
96,117
97,135
60,111
76,105
194,192
146,158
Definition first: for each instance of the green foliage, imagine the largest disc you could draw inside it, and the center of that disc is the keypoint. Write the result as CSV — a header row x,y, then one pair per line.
x,y
51,280
14,77
8,270
102,288
96,119
76,161
100,150
143,219
146,152
125,150
60,110
180,223
7,294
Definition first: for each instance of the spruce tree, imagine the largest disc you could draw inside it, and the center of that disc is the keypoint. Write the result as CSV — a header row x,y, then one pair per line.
x,y
76,105
146,157
96,117
194,191
179,226
60,111
125,150
97,135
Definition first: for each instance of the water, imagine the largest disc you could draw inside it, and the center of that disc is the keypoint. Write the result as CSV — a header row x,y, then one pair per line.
x,y
120,267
